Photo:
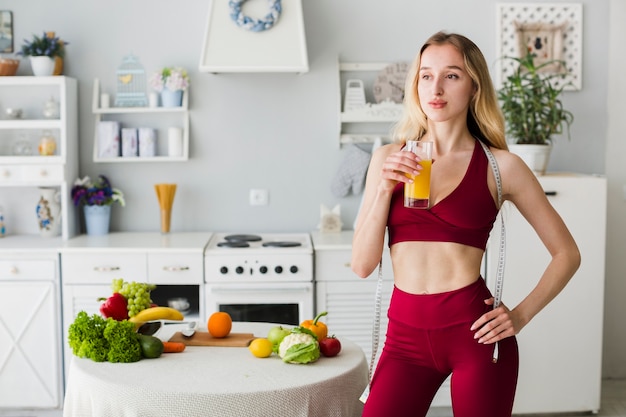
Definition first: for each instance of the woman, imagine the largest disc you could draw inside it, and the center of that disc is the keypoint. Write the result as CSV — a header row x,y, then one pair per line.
x,y
441,316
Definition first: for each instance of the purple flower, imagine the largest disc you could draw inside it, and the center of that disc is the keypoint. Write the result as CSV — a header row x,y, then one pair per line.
x,y
95,193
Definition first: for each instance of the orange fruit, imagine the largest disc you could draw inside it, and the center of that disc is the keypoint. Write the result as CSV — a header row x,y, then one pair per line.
x,y
261,347
219,324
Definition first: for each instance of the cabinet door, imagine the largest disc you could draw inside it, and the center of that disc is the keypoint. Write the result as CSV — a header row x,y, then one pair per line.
x,y
561,346
77,298
30,358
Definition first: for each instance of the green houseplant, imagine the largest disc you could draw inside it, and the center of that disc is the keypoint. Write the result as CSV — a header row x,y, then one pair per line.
x,y
532,107
45,48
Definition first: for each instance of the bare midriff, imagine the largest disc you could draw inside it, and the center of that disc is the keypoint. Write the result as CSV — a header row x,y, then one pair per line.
x,y
434,267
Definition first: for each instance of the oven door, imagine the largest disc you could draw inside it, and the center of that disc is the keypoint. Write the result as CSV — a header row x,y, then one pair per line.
x,y
284,303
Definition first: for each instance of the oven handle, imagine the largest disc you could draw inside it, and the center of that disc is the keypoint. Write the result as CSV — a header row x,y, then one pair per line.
x,y
227,289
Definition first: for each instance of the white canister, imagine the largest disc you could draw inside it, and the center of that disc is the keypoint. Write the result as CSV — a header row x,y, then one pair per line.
x,y
147,142
175,141
105,99
153,100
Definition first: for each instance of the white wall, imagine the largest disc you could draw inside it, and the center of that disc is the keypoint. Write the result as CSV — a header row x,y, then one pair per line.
x,y
279,131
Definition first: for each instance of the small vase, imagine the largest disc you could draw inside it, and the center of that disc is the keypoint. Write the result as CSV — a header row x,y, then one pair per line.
x,y
97,219
42,66
49,212
171,98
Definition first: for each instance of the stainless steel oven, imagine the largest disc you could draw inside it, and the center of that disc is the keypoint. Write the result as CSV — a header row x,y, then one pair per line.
x,y
261,277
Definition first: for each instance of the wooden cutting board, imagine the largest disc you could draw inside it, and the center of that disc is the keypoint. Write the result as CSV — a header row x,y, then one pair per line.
x,y
205,339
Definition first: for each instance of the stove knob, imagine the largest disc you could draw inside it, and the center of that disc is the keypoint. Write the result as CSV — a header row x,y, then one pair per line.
x,y
239,270
224,270
263,270
278,269
293,269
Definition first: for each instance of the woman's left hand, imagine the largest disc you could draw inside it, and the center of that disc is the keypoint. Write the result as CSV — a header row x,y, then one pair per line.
x,y
496,325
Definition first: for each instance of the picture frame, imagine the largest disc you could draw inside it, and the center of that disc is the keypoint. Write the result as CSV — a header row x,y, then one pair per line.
x,y
6,32
559,24
545,41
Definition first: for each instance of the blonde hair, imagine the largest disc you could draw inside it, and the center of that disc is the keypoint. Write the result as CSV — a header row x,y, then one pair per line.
x,y
484,118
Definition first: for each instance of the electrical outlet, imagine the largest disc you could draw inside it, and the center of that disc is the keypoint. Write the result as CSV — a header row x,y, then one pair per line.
x,y
259,197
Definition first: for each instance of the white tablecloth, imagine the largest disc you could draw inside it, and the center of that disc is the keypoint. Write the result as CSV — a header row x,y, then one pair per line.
x,y
219,381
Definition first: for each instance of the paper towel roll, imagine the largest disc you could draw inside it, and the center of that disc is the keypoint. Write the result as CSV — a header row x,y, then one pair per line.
x,y
175,141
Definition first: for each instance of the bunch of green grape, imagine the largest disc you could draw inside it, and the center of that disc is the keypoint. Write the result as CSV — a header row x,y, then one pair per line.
x,y
137,294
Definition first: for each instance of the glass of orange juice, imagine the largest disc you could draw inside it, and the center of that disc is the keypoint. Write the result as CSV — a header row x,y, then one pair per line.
x,y
417,193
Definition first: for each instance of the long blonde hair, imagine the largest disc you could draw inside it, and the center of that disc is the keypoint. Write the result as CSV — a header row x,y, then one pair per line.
x,y
484,118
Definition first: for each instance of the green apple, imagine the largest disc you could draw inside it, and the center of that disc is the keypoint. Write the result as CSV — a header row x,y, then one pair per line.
x,y
277,334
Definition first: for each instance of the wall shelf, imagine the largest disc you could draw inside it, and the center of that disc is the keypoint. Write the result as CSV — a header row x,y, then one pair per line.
x,y
158,118
365,124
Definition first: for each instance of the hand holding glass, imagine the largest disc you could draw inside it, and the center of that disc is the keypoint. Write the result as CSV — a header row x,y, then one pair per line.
x,y
417,193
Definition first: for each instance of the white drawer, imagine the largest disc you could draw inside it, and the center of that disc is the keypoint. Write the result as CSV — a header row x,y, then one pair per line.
x,y
81,268
42,173
9,173
28,270
174,269
334,266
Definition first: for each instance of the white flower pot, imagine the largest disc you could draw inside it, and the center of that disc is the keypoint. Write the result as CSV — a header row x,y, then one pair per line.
x,y
42,65
535,156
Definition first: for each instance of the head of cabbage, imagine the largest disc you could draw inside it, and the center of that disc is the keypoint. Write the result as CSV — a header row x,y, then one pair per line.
x,y
300,346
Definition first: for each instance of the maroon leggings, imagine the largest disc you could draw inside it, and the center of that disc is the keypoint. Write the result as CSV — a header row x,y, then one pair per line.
x,y
429,338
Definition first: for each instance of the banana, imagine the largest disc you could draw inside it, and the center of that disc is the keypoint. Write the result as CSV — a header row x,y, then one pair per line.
x,y
156,313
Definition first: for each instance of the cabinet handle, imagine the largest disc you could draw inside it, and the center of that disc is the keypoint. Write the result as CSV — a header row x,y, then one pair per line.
x,y
550,193
175,268
6,173
13,270
347,265
43,173
106,268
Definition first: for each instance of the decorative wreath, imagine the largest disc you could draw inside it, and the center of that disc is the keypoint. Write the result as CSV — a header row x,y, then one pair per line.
x,y
254,25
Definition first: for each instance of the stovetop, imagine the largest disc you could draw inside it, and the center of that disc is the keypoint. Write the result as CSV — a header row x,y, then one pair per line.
x,y
257,243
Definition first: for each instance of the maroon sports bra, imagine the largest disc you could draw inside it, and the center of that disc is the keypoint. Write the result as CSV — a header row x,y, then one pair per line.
x,y
465,216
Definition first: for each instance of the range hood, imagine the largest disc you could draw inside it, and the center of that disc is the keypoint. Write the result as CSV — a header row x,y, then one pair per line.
x,y
228,47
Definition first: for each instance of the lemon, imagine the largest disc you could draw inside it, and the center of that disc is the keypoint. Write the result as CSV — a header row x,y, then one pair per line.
x,y
261,347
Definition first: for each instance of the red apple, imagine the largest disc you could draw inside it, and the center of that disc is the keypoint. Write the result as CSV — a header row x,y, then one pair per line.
x,y
330,346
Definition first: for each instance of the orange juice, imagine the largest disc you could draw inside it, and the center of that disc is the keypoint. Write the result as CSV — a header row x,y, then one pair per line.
x,y
416,194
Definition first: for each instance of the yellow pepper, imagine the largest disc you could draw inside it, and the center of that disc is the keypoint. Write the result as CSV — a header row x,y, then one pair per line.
x,y
317,327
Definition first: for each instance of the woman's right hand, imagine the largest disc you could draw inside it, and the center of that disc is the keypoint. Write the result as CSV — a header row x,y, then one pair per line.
x,y
396,167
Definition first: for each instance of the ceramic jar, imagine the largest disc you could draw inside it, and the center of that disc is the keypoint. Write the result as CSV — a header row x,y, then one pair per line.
x,y
47,144
49,212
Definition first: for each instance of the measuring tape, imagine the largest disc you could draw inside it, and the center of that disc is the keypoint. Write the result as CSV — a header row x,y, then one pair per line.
x,y
497,297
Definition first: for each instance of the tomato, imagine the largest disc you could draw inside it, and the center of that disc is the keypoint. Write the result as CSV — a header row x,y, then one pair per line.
x,y
330,346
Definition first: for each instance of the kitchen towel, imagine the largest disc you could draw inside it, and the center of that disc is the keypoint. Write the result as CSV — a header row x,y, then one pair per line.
x,y
147,141
351,173
108,139
129,141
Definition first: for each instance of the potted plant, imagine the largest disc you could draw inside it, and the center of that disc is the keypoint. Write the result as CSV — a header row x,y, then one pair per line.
x,y
97,197
46,53
170,82
533,111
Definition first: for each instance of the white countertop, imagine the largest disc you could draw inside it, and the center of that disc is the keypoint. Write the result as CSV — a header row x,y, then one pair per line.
x,y
332,241
139,241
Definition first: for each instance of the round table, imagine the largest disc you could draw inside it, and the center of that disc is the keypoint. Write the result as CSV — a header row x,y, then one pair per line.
x,y
219,381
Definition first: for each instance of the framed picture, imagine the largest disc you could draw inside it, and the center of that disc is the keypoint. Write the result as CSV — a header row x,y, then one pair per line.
x,y
6,31
543,40
549,30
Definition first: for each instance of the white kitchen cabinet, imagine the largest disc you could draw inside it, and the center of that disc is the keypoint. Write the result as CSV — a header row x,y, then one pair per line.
x,y
22,169
174,262
350,300
364,125
560,349
31,374
158,118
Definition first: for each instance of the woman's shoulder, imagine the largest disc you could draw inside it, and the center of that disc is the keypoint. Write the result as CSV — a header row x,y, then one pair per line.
x,y
516,175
